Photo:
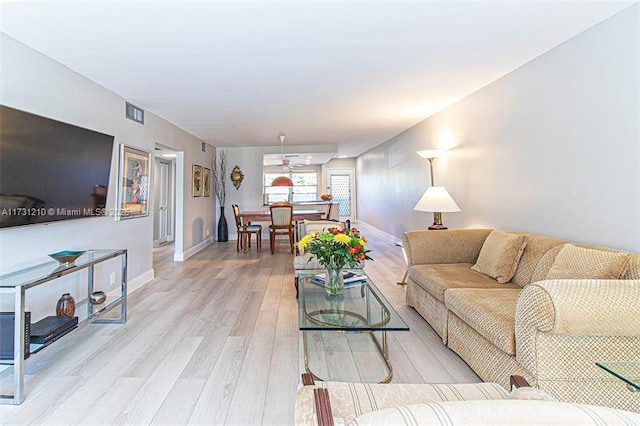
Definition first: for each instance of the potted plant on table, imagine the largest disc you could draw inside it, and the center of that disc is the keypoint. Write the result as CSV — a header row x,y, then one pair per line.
x,y
336,248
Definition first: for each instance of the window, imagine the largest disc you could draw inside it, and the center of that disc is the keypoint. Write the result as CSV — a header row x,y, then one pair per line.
x,y
305,187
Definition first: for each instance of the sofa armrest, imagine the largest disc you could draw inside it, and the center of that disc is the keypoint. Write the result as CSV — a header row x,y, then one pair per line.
x,y
443,246
566,324
580,307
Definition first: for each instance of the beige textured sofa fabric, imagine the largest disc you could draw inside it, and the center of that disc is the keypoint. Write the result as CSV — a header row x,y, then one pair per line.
x,y
451,246
578,262
551,332
537,247
500,255
490,312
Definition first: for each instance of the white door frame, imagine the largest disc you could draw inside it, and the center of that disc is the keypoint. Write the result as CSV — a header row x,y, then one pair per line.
x,y
165,210
352,179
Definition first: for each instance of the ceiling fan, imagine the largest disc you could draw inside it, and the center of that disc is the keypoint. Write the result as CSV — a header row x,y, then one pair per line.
x,y
285,160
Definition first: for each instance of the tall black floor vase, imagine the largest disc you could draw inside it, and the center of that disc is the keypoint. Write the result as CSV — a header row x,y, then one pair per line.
x,y
223,230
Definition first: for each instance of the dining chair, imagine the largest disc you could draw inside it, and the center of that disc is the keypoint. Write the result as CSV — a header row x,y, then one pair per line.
x,y
281,224
245,231
328,217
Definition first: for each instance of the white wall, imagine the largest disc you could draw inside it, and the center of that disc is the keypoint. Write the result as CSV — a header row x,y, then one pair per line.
x,y
34,83
552,148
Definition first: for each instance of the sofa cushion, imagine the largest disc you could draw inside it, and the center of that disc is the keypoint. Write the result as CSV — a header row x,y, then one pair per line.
x,y
537,246
500,254
490,312
545,263
350,400
581,263
437,278
498,412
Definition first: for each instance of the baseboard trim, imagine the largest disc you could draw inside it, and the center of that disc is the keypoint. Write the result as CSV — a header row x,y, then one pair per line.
x,y
181,257
139,281
390,236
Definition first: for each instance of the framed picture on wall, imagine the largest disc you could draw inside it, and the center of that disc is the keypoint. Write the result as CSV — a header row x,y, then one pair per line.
x,y
206,182
196,181
134,185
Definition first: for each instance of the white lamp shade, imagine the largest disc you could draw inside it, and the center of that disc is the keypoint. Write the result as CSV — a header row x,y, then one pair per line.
x,y
436,199
430,153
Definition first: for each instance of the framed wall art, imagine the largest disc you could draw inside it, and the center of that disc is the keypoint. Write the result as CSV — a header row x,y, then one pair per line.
x,y
206,182
133,183
196,181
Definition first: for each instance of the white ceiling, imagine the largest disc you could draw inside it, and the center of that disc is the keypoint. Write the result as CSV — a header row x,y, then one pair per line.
x,y
347,73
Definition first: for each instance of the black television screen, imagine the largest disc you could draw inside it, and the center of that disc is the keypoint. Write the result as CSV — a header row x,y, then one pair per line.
x,y
50,170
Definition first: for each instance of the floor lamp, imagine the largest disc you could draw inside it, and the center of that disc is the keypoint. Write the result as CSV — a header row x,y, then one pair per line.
x,y
436,199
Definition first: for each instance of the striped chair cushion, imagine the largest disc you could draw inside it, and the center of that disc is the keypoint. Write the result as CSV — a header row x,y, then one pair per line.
x,y
350,400
510,412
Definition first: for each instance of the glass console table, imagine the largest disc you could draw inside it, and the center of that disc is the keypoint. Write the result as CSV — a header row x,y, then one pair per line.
x,y
627,371
18,282
361,308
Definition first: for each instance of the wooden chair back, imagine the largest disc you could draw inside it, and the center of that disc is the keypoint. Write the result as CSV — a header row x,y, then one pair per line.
x,y
236,215
282,215
329,211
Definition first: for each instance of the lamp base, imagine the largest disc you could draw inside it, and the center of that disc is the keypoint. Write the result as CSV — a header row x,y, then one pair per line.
x,y
437,222
437,227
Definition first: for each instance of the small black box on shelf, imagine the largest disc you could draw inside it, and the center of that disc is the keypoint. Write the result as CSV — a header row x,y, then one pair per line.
x,y
50,328
7,322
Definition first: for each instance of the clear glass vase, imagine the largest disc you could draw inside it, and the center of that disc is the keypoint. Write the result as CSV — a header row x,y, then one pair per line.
x,y
334,282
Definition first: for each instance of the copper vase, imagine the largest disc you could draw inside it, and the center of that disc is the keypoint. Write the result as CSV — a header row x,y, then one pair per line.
x,y
66,306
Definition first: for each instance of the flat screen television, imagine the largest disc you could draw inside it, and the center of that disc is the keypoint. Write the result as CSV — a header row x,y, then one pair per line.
x,y
49,170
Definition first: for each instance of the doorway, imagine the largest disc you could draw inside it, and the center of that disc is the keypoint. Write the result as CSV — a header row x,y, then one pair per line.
x,y
164,196
341,184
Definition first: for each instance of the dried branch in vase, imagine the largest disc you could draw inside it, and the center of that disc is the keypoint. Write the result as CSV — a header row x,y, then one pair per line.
x,y
219,171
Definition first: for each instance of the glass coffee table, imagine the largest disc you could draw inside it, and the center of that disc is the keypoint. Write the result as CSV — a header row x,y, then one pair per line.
x,y
627,371
361,308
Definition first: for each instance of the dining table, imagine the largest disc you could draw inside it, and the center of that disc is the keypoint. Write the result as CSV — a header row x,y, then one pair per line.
x,y
250,216
265,215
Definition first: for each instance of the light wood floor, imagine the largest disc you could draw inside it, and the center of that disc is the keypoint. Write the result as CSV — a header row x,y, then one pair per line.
x,y
214,340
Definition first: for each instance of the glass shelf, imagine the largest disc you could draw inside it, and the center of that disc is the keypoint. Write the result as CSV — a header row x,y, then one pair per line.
x,y
38,274
85,311
19,281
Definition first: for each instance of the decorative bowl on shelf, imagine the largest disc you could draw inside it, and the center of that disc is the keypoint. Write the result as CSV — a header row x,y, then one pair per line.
x,y
97,297
326,197
66,257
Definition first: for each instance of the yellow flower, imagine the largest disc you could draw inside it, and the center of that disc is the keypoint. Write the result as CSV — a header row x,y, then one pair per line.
x,y
363,243
343,239
305,241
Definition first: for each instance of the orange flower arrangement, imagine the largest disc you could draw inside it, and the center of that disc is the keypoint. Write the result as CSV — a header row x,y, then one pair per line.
x,y
336,247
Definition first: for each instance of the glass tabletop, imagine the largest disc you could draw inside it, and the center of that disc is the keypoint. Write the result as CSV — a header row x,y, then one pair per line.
x,y
35,275
360,307
627,371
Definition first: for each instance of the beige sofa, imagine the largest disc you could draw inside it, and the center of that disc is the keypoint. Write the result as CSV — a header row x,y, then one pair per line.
x,y
552,332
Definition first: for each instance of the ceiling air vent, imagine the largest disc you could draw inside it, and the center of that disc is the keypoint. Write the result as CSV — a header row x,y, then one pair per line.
x,y
134,113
